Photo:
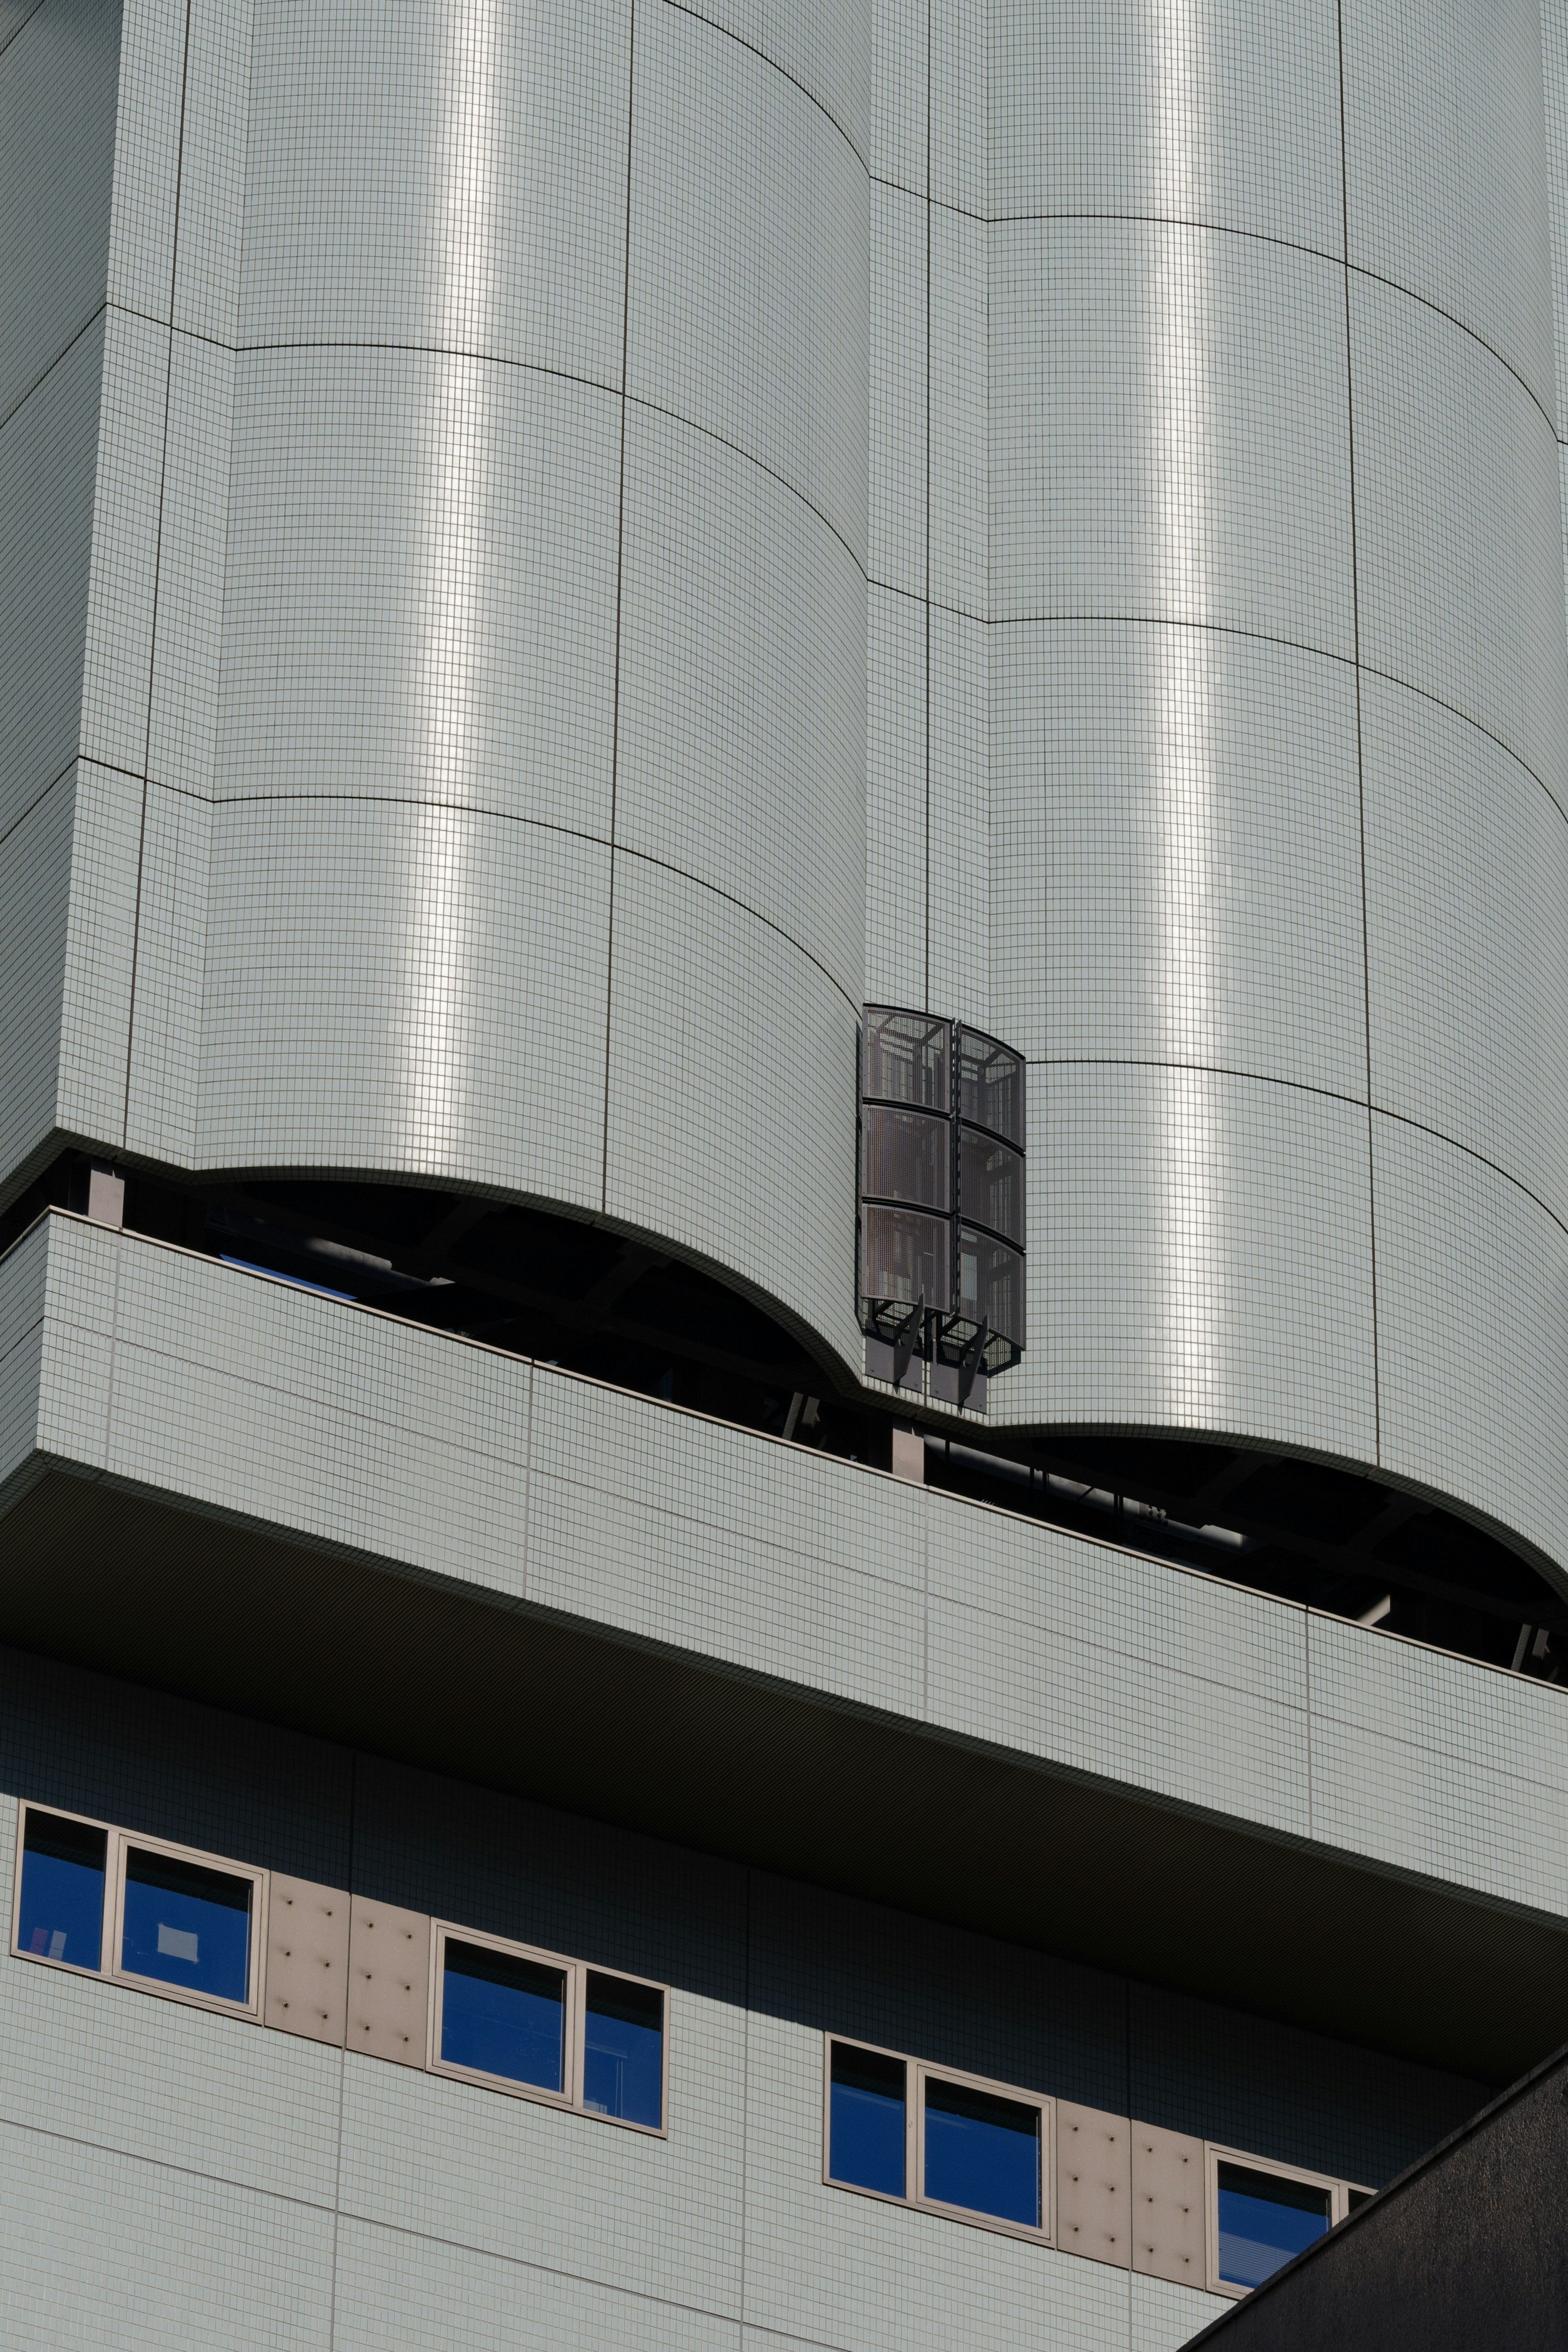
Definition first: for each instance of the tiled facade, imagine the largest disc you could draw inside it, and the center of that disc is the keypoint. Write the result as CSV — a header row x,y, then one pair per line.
x,y
546,553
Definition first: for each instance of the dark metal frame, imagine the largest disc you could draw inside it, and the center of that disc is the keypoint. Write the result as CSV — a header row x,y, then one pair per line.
x,y
942,1337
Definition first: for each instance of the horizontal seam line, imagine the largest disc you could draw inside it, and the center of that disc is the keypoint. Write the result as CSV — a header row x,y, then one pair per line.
x,y
543,825
682,8
68,346
1297,1086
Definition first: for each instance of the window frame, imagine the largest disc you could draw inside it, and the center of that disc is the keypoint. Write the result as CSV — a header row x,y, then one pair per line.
x,y
249,2010
1213,2157
569,2100
41,1960
917,2074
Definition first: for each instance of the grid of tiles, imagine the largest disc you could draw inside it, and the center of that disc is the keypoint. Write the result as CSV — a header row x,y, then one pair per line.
x,y
282,2192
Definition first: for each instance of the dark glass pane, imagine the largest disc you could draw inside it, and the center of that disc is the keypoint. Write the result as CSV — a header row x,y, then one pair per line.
x,y
983,2153
1263,2220
865,2120
1360,2197
990,1285
905,1156
990,1184
62,1890
909,1256
907,1058
504,2015
991,1084
186,1925
624,2059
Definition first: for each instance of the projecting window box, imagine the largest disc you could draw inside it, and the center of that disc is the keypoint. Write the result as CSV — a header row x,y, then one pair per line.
x,y
511,2017
942,2141
1260,2215
97,1901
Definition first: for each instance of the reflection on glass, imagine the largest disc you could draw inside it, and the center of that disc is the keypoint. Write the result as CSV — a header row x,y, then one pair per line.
x,y
908,1256
990,1184
905,1059
865,2120
624,2055
990,1285
1263,2220
504,2015
983,2153
186,1925
907,1157
991,1084
62,1890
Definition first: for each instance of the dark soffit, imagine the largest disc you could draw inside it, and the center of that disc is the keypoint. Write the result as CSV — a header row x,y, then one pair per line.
x,y
466,1681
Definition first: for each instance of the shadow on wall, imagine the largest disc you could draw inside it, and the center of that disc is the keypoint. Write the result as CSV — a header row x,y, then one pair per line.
x,y
744,1939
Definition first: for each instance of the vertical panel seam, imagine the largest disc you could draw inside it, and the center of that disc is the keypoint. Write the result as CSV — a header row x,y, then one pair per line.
x,y
156,581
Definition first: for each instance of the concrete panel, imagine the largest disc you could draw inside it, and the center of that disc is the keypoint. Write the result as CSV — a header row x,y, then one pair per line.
x,y
1168,2198
307,1985
1093,2184
389,1982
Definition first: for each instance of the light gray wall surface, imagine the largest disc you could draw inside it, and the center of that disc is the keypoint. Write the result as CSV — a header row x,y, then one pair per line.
x,y
236,1393
176,2176
691,515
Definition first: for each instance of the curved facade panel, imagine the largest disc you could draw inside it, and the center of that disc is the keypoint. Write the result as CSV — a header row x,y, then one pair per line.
x,y
1200,1255
743,695
750,231
1472,1325
1457,533
421,585
413,990
1467,884
1177,823
1446,171
1169,430
1206,113
480,207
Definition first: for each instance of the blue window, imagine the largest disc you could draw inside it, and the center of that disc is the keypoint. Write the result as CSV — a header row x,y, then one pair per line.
x,y
865,2119
502,2014
62,1890
624,2051
186,1925
983,2152
1263,2220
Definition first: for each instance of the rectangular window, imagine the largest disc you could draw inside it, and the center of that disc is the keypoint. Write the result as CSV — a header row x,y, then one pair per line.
x,y
504,2015
188,1925
953,2144
59,1909
544,2027
866,2125
1262,2214
983,2153
624,2051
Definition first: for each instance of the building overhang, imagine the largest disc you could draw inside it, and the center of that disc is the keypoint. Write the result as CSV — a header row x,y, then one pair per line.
x,y
360,1650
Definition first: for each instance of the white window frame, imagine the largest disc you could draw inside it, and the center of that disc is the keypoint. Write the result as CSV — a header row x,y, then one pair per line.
x,y
917,2074
1213,2157
569,2098
42,1960
250,2009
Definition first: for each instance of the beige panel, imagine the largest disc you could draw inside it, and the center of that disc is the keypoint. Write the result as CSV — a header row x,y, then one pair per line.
x,y
388,1971
307,1959
1167,2205
1093,2184
909,1455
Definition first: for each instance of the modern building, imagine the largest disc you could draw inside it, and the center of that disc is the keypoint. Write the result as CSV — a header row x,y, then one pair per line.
x,y
654,655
